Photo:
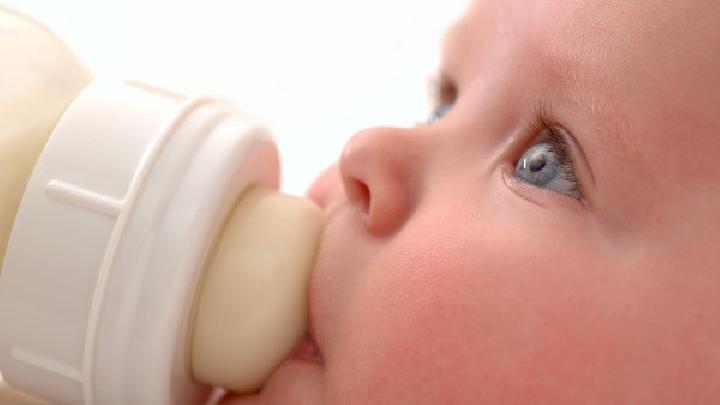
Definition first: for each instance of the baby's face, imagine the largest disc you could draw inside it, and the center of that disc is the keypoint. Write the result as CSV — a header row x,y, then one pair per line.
x,y
553,238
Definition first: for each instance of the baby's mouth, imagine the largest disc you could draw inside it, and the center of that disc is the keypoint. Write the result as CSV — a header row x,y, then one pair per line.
x,y
307,350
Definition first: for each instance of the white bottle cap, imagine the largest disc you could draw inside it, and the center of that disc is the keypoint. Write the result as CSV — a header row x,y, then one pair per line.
x,y
112,232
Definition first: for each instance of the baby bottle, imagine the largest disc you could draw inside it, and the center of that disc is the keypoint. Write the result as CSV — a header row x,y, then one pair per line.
x,y
146,254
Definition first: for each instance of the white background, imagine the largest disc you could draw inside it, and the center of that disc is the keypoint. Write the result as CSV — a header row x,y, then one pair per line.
x,y
315,70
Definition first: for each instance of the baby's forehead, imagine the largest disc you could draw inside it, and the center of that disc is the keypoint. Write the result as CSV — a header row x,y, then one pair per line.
x,y
616,37
641,61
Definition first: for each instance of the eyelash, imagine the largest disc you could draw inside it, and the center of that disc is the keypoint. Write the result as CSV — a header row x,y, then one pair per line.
x,y
541,128
444,93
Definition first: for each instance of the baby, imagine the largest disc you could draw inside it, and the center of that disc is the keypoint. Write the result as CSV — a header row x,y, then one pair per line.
x,y
550,236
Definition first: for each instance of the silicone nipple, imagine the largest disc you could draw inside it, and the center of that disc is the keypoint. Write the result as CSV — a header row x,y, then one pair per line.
x,y
251,306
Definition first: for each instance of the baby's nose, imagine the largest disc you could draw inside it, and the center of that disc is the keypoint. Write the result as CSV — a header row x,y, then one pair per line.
x,y
382,170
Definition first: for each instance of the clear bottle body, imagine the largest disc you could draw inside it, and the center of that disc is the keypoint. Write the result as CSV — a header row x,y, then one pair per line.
x,y
39,79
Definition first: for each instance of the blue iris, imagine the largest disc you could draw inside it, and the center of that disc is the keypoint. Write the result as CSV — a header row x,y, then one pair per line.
x,y
544,165
440,111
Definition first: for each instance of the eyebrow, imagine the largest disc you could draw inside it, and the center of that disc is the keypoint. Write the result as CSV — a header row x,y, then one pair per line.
x,y
583,84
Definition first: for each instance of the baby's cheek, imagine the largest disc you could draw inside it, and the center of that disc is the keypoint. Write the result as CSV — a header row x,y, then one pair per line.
x,y
430,322
408,333
508,309
446,314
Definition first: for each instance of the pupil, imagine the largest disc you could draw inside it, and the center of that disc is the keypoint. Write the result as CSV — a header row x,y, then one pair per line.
x,y
536,164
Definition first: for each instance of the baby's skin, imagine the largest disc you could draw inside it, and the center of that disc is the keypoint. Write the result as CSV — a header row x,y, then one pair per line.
x,y
551,236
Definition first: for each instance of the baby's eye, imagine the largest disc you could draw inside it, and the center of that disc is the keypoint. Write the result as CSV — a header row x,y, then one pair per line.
x,y
443,93
440,111
546,165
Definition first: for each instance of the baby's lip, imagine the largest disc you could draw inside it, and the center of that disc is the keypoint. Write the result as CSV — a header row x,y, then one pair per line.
x,y
327,192
307,350
321,190
309,343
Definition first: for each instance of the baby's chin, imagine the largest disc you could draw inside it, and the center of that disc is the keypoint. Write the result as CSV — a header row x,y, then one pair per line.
x,y
296,381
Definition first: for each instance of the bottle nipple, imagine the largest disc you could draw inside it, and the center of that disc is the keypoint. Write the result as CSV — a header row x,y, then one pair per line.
x,y
251,308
